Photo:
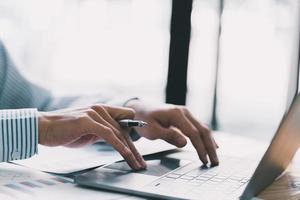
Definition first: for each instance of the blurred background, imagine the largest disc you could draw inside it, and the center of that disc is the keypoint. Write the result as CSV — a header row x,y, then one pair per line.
x,y
240,50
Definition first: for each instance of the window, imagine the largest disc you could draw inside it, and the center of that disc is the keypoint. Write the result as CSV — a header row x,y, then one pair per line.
x,y
122,46
115,46
256,48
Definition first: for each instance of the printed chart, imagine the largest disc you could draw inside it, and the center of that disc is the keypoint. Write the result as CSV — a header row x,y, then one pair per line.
x,y
17,182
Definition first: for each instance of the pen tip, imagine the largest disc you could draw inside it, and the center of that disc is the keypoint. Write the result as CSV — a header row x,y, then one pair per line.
x,y
144,123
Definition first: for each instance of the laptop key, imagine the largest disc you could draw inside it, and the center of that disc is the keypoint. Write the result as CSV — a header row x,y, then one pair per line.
x,y
185,169
202,178
214,179
197,172
191,175
172,175
196,182
221,177
187,177
206,176
236,178
180,181
210,174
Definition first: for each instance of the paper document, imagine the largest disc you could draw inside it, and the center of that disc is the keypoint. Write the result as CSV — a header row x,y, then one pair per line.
x,y
17,182
63,160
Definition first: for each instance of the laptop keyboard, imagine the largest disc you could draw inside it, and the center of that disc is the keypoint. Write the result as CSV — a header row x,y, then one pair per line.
x,y
196,181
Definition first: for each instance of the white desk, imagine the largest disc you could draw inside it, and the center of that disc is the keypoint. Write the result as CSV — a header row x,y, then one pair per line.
x,y
288,187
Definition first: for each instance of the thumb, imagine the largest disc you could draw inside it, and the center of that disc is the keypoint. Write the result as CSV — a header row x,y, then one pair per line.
x,y
173,136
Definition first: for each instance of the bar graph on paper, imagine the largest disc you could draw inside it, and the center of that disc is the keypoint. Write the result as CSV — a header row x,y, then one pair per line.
x,y
21,183
17,182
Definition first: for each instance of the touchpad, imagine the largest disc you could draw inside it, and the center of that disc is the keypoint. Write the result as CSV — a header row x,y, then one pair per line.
x,y
155,166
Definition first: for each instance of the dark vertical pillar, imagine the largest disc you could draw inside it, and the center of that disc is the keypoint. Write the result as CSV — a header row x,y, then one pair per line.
x,y
179,50
214,117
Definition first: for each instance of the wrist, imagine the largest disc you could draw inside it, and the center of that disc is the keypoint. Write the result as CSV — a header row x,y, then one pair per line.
x,y
43,127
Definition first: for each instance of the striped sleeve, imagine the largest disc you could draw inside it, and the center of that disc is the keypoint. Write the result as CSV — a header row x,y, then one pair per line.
x,y
18,134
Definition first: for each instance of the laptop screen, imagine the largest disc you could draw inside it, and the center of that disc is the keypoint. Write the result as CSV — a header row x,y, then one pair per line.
x,y
287,138
294,72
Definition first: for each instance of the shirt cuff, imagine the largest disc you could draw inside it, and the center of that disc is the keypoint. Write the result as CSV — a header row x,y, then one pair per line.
x,y
18,134
122,100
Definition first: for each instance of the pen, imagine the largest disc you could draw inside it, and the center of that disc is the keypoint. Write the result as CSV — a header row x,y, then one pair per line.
x,y
132,123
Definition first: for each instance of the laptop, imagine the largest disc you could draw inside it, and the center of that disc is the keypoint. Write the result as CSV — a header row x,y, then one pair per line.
x,y
171,175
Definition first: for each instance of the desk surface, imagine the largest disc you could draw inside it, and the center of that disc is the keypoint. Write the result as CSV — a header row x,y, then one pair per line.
x,y
287,187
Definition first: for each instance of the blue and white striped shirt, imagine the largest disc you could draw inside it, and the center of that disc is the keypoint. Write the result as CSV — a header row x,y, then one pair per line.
x,y
19,126
19,136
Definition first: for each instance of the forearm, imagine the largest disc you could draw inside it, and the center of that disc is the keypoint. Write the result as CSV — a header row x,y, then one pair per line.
x,y
19,128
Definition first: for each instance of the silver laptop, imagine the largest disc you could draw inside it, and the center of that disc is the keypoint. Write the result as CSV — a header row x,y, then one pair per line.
x,y
170,175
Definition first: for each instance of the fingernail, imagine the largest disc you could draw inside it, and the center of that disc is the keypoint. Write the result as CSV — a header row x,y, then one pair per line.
x,y
204,159
216,161
182,141
143,163
135,165
138,165
214,164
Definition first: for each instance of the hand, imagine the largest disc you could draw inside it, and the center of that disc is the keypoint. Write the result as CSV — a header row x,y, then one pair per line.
x,y
171,123
78,127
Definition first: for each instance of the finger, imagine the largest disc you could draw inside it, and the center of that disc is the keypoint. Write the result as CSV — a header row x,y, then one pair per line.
x,y
108,135
125,138
214,140
101,110
216,144
121,134
103,117
180,121
199,146
98,116
171,135
132,147
208,140
118,113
